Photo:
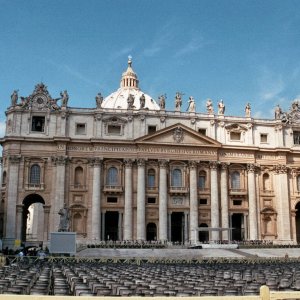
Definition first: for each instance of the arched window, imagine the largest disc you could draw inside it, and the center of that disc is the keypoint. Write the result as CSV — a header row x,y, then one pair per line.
x,y
298,183
266,182
112,176
78,178
202,180
176,178
35,174
235,180
151,178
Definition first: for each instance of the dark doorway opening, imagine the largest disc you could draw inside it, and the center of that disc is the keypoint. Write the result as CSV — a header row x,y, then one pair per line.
x,y
237,223
151,232
177,227
111,225
203,235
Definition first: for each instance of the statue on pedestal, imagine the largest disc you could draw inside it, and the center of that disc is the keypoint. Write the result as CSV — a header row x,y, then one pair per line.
x,y
14,98
278,112
99,100
178,101
248,110
221,107
209,107
64,98
142,101
130,101
192,105
64,223
162,101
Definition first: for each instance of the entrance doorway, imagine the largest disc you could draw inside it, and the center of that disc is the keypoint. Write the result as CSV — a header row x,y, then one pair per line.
x,y
151,232
297,207
203,235
111,225
237,223
177,227
33,219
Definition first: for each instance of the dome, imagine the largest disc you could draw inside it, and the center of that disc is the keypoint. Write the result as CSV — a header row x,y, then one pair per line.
x,y
129,96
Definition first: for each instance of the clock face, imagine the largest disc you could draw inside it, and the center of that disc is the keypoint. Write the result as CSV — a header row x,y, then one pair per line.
x,y
40,101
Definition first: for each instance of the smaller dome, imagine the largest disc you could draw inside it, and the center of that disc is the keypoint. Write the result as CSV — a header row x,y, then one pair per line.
x,y
129,96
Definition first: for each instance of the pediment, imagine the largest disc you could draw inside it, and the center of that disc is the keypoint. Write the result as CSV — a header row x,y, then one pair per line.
x,y
178,134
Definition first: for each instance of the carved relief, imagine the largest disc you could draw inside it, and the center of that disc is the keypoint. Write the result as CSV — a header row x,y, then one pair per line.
x,y
178,134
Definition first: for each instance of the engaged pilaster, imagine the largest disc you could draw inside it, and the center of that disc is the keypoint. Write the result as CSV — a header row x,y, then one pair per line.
x,y
128,200
224,200
12,193
163,204
253,234
96,199
214,199
141,227
193,201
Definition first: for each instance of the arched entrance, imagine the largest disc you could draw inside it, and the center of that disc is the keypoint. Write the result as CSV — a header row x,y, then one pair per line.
x,y
297,207
203,235
151,232
33,218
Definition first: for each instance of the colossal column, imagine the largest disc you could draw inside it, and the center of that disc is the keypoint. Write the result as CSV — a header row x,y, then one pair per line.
x,y
253,234
193,202
59,200
140,218
12,194
214,199
224,200
163,201
128,200
96,200
283,205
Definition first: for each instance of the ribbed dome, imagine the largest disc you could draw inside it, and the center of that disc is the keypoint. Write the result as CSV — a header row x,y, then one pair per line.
x,y
129,96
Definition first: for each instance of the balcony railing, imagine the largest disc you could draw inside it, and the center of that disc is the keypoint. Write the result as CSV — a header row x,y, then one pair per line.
x,y
178,190
152,189
238,191
113,189
34,186
78,186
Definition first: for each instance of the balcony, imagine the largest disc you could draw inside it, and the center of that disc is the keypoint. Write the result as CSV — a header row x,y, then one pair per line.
x,y
77,187
237,191
152,189
34,186
113,189
178,190
267,192
202,190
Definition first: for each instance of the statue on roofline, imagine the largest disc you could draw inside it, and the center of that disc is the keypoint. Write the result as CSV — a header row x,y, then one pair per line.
x,y
14,98
99,100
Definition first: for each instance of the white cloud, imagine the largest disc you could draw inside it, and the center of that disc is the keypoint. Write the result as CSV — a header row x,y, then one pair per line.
x,y
192,46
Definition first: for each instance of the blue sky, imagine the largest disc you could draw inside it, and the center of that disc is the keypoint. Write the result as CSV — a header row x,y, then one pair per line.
x,y
239,51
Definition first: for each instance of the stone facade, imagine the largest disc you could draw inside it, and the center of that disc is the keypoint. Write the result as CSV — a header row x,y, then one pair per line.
x,y
136,171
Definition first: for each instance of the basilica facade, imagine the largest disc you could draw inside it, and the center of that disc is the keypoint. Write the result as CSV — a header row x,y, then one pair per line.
x,y
128,169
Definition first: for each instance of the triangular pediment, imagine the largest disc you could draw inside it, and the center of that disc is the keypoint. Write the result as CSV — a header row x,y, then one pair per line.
x,y
178,134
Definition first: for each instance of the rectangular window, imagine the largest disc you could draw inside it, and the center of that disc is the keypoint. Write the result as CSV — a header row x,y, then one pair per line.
x,y
38,124
263,138
151,129
235,136
296,135
151,200
237,202
114,129
112,200
202,131
80,128
202,201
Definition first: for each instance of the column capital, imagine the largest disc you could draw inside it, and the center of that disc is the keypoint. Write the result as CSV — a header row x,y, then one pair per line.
x,y
281,169
251,168
224,165
96,162
141,162
128,162
163,163
214,164
14,159
193,164
60,160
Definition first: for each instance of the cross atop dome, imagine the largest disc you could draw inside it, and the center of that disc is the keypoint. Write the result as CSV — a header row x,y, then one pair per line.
x,y
129,78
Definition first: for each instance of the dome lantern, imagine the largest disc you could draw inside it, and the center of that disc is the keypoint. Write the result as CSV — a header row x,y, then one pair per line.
x,y
129,78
